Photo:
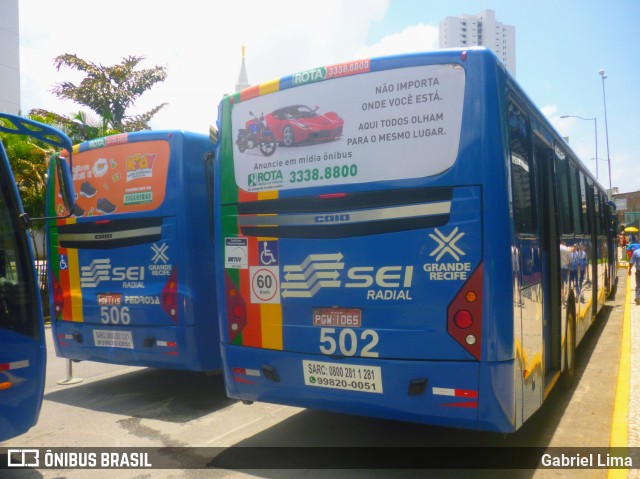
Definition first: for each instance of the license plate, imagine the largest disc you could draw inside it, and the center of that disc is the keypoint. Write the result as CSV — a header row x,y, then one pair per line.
x,y
351,377
112,339
337,317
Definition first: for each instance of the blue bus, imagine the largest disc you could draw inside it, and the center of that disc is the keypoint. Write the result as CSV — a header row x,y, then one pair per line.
x,y
22,339
132,270
422,245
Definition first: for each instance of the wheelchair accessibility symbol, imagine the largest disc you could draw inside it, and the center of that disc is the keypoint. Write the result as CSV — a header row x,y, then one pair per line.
x,y
63,262
268,253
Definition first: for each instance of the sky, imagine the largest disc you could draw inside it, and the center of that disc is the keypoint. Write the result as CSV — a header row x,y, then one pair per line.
x,y
560,48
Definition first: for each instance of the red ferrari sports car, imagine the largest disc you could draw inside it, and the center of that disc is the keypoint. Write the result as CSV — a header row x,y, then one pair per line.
x,y
299,124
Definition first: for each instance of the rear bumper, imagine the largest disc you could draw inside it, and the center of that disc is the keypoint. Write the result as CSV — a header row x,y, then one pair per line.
x,y
468,395
166,347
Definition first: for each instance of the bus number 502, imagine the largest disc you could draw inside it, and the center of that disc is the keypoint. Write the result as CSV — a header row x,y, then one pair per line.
x,y
347,342
115,315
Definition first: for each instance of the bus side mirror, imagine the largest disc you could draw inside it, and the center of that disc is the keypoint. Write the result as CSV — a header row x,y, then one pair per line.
x,y
65,182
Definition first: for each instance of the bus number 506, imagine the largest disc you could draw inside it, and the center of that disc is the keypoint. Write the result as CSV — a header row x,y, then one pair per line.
x,y
115,315
347,342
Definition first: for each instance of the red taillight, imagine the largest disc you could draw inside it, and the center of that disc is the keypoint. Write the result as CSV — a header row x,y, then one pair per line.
x,y
463,319
464,315
236,309
332,195
58,297
170,295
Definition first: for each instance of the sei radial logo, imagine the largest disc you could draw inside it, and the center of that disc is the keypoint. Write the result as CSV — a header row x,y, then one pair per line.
x,y
318,271
100,270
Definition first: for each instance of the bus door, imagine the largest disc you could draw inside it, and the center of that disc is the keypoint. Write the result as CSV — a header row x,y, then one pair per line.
x,y
550,253
593,215
603,252
528,299
22,349
612,224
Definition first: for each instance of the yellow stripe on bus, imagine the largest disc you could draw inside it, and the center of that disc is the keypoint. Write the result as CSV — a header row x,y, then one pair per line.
x,y
271,320
268,195
269,87
74,286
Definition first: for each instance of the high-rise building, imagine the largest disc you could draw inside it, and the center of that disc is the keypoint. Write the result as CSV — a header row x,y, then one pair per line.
x,y
483,30
9,57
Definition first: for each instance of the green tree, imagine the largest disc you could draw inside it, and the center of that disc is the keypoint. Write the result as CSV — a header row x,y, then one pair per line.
x,y
29,160
111,90
75,126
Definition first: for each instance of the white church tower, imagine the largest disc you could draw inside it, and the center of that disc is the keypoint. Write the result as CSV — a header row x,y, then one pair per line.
x,y
243,81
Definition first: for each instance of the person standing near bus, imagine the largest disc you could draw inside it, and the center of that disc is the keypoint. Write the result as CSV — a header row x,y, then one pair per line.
x,y
635,260
574,268
582,264
565,259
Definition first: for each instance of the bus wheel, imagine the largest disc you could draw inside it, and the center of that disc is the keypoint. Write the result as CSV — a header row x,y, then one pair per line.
x,y
570,350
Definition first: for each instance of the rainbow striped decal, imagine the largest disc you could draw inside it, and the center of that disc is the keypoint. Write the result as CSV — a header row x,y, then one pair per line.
x,y
66,300
65,274
261,324
310,76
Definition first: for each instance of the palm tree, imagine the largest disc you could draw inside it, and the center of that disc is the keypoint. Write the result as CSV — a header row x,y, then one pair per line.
x,y
111,90
78,126
29,161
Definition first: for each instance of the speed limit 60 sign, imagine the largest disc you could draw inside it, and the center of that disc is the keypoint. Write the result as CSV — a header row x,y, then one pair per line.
x,y
265,284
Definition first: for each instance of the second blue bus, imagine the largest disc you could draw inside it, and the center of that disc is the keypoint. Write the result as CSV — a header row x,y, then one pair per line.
x,y
132,271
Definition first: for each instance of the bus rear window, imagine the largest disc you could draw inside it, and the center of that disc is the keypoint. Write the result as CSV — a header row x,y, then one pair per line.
x,y
385,125
122,178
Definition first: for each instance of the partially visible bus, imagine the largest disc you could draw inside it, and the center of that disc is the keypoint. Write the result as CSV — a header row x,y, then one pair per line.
x,y
424,246
22,340
132,271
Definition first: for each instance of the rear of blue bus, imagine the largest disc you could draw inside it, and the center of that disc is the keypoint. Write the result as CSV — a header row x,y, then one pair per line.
x,y
132,277
354,272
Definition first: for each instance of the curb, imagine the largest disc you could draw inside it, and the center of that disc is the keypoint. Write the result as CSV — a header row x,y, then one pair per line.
x,y
619,427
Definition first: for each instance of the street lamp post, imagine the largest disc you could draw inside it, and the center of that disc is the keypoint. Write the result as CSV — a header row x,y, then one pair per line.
x,y
595,123
606,127
597,159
